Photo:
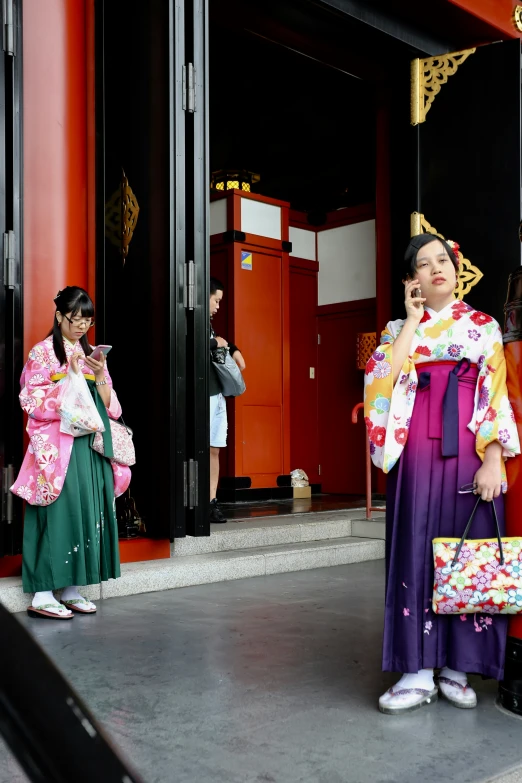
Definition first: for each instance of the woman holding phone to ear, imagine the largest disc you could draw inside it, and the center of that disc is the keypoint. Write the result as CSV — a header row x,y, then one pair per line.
x,y
70,528
441,426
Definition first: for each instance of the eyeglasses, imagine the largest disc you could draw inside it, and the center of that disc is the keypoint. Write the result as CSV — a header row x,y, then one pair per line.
x,y
88,322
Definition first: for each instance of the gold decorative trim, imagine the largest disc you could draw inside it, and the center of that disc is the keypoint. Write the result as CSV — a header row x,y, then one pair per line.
x,y
366,345
121,216
427,78
469,275
130,212
517,17
415,224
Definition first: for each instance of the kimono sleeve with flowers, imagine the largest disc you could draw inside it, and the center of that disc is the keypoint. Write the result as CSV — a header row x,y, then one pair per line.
x,y
388,407
452,334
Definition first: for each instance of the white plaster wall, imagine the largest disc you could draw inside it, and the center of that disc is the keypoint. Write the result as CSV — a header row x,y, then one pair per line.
x,y
218,216
346,258
260,218
303,243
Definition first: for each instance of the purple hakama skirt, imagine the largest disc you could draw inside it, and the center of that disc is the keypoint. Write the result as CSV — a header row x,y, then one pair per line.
x,y
422,504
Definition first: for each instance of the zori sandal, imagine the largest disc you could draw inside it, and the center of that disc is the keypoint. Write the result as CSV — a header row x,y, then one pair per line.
x,y
397,702
80,605
59,613
458,694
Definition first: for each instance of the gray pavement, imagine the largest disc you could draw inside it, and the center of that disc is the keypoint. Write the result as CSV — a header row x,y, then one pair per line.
x,y
272,679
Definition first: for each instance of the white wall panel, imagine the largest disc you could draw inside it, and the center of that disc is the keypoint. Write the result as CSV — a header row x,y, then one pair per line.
x,y
346,258
218,216
260,218
303,243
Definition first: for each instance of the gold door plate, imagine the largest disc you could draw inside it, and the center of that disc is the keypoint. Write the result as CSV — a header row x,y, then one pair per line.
x,y
121,216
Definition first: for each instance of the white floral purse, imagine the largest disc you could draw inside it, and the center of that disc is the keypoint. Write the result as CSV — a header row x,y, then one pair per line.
x,y
122,444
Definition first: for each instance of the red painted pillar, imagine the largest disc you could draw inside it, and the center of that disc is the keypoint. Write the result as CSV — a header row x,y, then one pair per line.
x,y
58,105
510,691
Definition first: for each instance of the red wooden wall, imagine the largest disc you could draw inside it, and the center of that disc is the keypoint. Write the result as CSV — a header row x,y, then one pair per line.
x,y
341,443
304,410
497,13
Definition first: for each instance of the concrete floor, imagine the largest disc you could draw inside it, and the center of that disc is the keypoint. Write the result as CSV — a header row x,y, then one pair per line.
x,y
266,680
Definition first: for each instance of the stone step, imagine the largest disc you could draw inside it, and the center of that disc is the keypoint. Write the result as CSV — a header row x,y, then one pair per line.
x,y
216,567
369,528
267,531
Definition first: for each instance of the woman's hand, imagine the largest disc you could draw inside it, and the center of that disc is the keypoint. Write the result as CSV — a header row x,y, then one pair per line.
x,y
488,478
414,304
97,366
238,358
74,363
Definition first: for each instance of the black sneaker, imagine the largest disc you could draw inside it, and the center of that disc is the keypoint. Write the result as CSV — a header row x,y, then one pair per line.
x,y
216,515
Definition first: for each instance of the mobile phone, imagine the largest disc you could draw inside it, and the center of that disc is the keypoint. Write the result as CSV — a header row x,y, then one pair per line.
x,y
97,352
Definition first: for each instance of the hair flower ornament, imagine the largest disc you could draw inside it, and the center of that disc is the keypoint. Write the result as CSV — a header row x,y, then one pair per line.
x,y
455,247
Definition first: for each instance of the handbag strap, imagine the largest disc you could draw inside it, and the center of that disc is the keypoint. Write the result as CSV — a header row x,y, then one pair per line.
x,y
106,435
466,531
122,422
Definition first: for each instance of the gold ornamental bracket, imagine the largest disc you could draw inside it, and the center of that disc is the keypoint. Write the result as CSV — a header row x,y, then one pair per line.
x,y
469,275
121,216
427,78
517,17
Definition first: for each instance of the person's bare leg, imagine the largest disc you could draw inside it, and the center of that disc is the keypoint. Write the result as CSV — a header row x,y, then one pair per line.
x,y
214,471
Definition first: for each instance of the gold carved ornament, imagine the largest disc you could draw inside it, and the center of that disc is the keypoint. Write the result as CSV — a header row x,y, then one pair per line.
x,y
469,275
517,17
427,78
366,345
121,216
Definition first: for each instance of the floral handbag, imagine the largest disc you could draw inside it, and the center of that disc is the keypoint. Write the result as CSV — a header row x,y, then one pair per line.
x,y
122,445
483,575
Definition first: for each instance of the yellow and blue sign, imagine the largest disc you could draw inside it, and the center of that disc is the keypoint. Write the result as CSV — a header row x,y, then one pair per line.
x,y
246,260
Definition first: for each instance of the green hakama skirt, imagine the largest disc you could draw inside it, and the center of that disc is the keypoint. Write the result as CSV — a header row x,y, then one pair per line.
x,y
74,541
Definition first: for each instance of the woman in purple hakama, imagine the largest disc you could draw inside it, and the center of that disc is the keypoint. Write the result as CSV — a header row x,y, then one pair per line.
x,y
438,419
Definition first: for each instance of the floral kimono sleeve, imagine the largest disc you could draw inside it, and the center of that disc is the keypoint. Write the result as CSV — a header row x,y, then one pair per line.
x,y
387,408
493,418
39,395
114,409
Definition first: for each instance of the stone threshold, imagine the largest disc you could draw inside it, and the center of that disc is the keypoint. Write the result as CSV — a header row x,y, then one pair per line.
x,y
190,570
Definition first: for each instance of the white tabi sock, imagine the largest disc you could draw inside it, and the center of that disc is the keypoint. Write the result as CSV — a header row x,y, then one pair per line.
x,y
451,674
423,679
44,597
71,594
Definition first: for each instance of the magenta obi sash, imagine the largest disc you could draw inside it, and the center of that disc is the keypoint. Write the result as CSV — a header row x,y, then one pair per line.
x,y
442,379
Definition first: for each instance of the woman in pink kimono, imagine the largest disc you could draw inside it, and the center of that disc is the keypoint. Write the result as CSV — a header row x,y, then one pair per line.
x,y
441,426
70,528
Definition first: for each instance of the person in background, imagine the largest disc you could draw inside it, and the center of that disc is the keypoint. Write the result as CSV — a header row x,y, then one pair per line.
x,y
70,528
218,408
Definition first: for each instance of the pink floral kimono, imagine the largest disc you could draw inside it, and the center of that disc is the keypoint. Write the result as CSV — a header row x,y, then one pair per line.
x,y
44,468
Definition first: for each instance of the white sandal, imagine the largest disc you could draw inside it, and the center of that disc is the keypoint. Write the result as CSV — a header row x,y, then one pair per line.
x,y
462,696
396,702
